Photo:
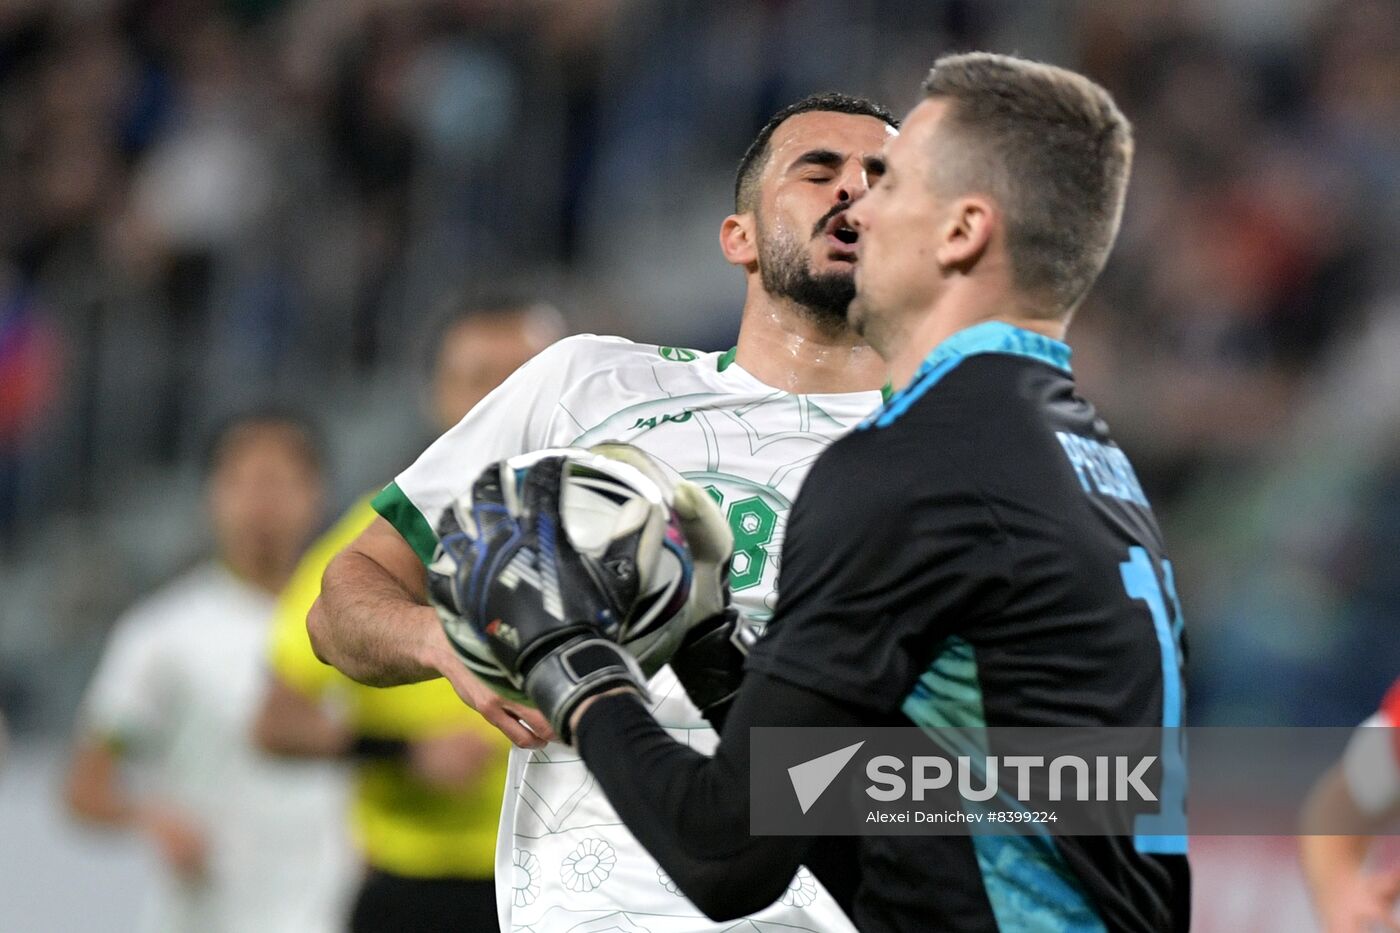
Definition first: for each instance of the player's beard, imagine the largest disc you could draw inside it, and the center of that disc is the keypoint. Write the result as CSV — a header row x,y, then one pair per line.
x,y
786,272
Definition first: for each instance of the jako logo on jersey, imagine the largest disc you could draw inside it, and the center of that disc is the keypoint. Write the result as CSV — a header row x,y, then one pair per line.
x,y
680,417
678,354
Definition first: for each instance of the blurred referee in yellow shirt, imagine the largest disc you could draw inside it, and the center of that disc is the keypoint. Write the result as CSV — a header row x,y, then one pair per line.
x,y
431,772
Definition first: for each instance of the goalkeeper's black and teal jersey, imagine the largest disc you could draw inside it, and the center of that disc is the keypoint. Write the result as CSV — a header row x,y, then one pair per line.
x,y
979,552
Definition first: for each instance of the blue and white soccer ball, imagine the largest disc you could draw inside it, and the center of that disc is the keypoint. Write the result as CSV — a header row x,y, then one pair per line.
x,y
617,509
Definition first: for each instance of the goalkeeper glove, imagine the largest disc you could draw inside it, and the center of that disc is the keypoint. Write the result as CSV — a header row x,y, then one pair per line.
x,y
522,568
709,662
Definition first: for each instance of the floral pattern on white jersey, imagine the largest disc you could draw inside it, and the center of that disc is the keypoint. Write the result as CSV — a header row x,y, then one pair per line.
x,y
524,878
588,865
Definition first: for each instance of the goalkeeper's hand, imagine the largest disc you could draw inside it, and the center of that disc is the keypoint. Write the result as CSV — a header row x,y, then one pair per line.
x,y
709,663
526,592
711,545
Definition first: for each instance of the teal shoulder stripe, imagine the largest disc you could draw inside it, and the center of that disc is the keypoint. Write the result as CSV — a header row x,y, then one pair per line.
x,y
397,510
1031,888
949,693
1028,883
987,337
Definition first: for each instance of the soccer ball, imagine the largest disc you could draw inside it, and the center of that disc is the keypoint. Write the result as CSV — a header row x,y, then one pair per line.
x,y
616,507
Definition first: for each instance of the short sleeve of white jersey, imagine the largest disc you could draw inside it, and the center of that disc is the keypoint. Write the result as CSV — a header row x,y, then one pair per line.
x,y
523,414
130,694
1370,767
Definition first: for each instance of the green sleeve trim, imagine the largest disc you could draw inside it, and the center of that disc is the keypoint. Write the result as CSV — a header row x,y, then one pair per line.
x,y
397,510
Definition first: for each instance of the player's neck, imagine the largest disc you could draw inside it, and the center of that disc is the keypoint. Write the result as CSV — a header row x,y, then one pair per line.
x,y
950,316
781,347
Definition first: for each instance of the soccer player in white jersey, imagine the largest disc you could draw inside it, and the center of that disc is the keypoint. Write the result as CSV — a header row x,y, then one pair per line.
x,y
745,424
250,844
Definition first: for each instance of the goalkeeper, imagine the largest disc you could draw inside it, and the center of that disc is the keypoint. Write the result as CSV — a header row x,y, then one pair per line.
x,y
978,553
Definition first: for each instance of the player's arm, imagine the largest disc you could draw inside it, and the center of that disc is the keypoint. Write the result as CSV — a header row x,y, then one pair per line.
x,y
93,789
372,622
692,812
136,688
293,725
97,795
1355,798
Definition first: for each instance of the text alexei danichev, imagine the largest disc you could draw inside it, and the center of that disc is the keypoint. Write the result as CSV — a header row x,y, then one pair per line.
x,y
959,816
922,816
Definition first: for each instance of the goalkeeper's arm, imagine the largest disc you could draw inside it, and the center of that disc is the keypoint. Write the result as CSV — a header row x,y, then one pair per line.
x,y
692,812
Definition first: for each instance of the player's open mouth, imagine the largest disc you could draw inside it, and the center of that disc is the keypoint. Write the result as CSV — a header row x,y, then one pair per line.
x,y
842,237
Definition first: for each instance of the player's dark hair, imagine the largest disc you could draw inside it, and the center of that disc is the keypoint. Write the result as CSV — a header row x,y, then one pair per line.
x,y
303,435
1052,148
475,304
751,165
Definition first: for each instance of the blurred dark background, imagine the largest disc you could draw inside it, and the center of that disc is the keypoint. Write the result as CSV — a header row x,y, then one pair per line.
x,y
205,204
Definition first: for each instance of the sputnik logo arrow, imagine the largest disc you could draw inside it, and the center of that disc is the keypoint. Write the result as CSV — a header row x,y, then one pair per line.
x,y
811,778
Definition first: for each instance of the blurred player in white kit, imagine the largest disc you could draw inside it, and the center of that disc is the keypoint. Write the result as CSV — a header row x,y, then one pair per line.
x,y
249,843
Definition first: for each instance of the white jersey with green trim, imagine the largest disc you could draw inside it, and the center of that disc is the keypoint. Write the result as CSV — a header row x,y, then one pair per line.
x,y
564,860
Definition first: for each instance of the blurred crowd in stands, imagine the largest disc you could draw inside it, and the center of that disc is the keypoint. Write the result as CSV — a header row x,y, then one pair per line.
x,y
206,203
